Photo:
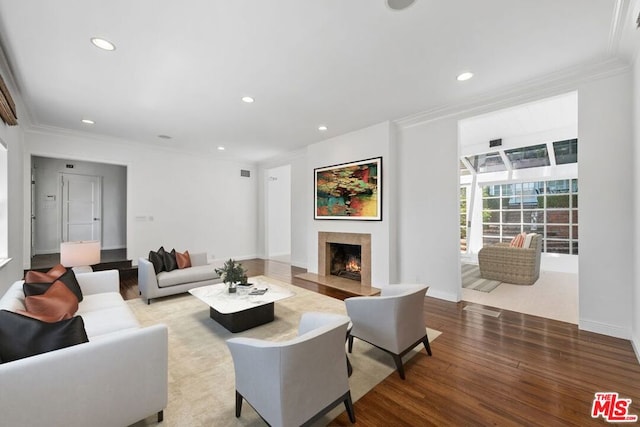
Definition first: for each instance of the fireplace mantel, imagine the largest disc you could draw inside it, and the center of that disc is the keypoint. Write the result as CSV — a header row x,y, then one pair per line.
x,y
364,240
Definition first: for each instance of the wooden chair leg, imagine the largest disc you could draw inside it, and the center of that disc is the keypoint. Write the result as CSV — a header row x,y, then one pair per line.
x,y
349,406
427,346
350,343
238,404
160,416
398,360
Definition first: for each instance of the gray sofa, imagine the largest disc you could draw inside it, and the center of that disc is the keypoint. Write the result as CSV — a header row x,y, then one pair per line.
x,y
176,281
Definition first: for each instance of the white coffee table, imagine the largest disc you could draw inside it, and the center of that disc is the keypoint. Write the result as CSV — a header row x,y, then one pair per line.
x,y
240,311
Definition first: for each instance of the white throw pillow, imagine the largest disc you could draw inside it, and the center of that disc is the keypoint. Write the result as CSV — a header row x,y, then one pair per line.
x,y
528,239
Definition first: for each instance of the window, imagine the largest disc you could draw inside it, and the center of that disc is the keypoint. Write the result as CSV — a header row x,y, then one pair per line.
x,y
463,219
4,197
566,151
549,208
528,157
490,162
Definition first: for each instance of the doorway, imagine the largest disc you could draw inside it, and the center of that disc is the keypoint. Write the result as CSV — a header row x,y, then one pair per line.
x,y
278,221
77,200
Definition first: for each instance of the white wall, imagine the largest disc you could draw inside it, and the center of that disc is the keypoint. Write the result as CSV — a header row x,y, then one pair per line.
x,y
429,207
174,199
278,192
606,270
48,212
636,159
366,143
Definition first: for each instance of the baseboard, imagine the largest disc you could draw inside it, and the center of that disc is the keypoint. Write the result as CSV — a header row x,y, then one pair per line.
x,y
299,263
635,343
447,296
604,329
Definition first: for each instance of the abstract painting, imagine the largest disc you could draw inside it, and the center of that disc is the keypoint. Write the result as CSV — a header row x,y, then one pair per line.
x,y
349,191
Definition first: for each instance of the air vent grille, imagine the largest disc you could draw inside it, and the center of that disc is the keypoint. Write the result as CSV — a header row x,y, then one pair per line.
x,y
245,173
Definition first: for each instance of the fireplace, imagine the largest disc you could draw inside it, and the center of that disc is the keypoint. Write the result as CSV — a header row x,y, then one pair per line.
x,y
345,260
345,255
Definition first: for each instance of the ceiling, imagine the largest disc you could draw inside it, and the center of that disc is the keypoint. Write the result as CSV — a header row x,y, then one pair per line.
x,y
181,68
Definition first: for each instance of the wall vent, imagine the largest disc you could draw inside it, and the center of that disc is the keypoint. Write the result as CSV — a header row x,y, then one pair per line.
x,y
495,143
245,173
70,166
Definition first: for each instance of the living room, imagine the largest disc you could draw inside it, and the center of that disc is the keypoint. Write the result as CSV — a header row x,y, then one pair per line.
x,y
189,197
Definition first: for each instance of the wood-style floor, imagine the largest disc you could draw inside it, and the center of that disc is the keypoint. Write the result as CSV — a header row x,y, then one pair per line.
x,y
511,370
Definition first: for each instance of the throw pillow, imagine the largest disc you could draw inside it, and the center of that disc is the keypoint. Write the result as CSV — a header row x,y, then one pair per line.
x,y
68,278
48,277
528,240
156,259
170,262
57,303
22,336
183,260
518,241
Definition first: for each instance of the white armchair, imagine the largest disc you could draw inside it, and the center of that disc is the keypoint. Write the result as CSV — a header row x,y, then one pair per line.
x,y
393,321
294,382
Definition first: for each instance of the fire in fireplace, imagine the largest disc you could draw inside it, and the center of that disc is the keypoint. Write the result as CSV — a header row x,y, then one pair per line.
x,y
345,260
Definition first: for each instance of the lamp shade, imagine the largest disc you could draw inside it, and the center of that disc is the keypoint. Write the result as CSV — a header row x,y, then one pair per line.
x,y
74,254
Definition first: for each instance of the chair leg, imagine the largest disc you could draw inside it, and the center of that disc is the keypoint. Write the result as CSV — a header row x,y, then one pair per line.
x,y
398,360
349,367
349,406
350,343
160,416
427,346
238,404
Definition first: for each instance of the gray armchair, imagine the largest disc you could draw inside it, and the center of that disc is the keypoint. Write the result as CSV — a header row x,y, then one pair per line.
x,y
294,382
519,266
393,321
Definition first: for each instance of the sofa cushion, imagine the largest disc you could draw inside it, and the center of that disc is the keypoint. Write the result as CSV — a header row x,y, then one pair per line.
x,y
68,278
57,303
183,260
22,336
170,262
13,299
518,241
106,313
186,275
158,262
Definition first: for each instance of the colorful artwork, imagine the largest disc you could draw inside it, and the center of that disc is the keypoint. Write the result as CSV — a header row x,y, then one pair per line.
x,y
349,191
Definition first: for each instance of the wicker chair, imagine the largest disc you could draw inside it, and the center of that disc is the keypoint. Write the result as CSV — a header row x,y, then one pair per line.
x,y
520,266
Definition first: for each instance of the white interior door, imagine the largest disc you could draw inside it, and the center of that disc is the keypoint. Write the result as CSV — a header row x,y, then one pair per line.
x,y
81,207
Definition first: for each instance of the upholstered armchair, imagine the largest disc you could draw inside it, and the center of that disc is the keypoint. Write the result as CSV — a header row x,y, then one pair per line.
x,y
520,266
294,382
393,321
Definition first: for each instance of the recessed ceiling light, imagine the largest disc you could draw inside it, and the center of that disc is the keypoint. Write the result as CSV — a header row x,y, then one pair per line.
x,y
322,128
399,4
247,99
103,43
164,137
464,76
88,122
221,148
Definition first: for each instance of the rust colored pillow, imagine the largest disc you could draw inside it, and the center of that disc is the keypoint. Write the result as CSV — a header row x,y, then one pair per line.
x,y
57,303
48,277
184,260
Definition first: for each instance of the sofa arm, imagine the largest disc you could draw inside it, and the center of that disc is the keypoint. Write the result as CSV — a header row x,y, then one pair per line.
x,y
117,380
99,282
147,280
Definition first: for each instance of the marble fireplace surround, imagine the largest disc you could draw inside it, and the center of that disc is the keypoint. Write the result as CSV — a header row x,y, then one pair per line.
x,y
362,239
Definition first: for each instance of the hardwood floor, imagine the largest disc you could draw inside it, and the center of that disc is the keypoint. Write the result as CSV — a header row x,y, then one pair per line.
x,y
514,369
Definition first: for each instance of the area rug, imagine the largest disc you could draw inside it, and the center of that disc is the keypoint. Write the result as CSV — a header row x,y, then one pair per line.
x,y
201,375
471,279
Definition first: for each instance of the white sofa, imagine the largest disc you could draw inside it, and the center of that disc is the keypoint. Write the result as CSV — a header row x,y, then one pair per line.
x,y
116,379
176,281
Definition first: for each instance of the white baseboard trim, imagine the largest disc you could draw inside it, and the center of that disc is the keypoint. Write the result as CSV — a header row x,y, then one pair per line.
x,y
604,329
299,263
447,296
635,343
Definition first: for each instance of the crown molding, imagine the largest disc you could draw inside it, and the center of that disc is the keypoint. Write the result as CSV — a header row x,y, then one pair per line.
x,y
618,19
527,91
283,159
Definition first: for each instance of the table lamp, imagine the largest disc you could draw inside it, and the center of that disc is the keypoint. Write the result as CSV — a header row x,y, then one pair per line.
x,y
80,255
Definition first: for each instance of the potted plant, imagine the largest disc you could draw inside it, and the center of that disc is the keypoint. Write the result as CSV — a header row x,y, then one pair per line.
x,y
232,273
